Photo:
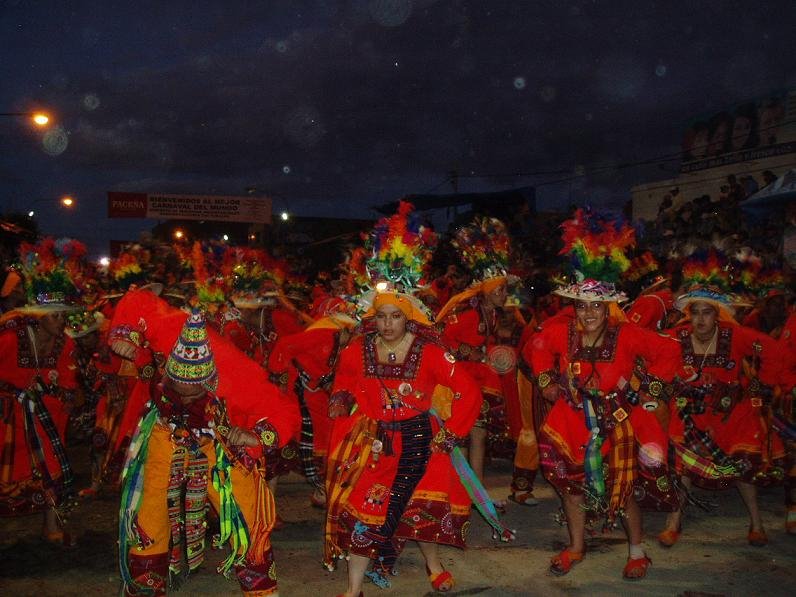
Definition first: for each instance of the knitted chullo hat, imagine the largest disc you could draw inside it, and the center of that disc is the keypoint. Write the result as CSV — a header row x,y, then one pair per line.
x,y
191,360
596,245
706,276
399,250
51,269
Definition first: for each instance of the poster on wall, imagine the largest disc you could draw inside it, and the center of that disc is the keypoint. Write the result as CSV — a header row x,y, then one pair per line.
x,y
747,131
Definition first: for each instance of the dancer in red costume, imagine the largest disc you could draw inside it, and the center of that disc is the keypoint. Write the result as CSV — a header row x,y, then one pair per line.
x,y
719,413
37,388
471,320
308,361
587,367
390,477
212,416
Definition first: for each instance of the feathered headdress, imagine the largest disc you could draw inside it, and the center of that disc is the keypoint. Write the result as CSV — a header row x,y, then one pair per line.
x,y
484,248
127,269
256,277
51,269
400,248
597,246
644,273
771,282
707,268
211,285
744,270
706,276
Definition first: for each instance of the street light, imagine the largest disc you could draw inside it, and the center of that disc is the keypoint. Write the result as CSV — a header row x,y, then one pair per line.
x,y
179,234
284,216
40,119
66,201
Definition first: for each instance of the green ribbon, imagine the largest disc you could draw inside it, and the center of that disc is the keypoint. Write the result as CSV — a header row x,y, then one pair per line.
x,y
233,525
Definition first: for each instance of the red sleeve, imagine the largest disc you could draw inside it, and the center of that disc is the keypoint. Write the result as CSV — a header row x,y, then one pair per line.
x,y
661,353
462,328
756,343
286,322
467,394
543,350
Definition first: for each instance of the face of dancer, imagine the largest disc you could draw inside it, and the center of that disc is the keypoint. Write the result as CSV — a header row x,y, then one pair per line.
x,y
497,296
591,315
89,342
703,319
188,392
53,324
391,323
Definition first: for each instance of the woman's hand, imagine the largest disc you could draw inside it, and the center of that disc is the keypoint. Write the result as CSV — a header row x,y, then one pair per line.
x,y
238,436
551,392
124,349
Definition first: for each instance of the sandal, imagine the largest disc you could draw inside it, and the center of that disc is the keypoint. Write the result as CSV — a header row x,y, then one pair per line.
x,y
88,492
757,538
636,569
667,538
442,582
562,563
526,498
61,539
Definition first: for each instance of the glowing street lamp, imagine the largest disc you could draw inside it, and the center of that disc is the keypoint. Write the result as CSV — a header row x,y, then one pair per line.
x,y
40,119
67,201
104,261
179,234
284,216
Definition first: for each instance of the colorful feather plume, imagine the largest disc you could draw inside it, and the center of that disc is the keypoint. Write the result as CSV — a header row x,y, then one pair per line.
x,y
52,269
211,286
484,248
707,268
400,247
597,245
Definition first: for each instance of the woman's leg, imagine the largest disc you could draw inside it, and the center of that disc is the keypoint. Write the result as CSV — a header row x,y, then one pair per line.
x,y
477,451
576,521
430,552
749,496
357,565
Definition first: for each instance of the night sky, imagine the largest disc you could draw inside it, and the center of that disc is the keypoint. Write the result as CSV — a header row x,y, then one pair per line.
x,y
334,106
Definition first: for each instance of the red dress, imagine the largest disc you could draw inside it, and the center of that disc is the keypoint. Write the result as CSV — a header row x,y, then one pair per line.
x,y
557,352
729,413
381,494
27,487
491,363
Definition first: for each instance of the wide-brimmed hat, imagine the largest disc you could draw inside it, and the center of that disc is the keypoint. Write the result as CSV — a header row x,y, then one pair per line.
x,y
82,323
596,246
50,268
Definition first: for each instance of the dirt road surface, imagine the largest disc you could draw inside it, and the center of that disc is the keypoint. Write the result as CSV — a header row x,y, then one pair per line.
x,y
712,557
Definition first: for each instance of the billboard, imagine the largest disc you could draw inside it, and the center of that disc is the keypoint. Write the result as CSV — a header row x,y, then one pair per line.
x,y
161,206
749,131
